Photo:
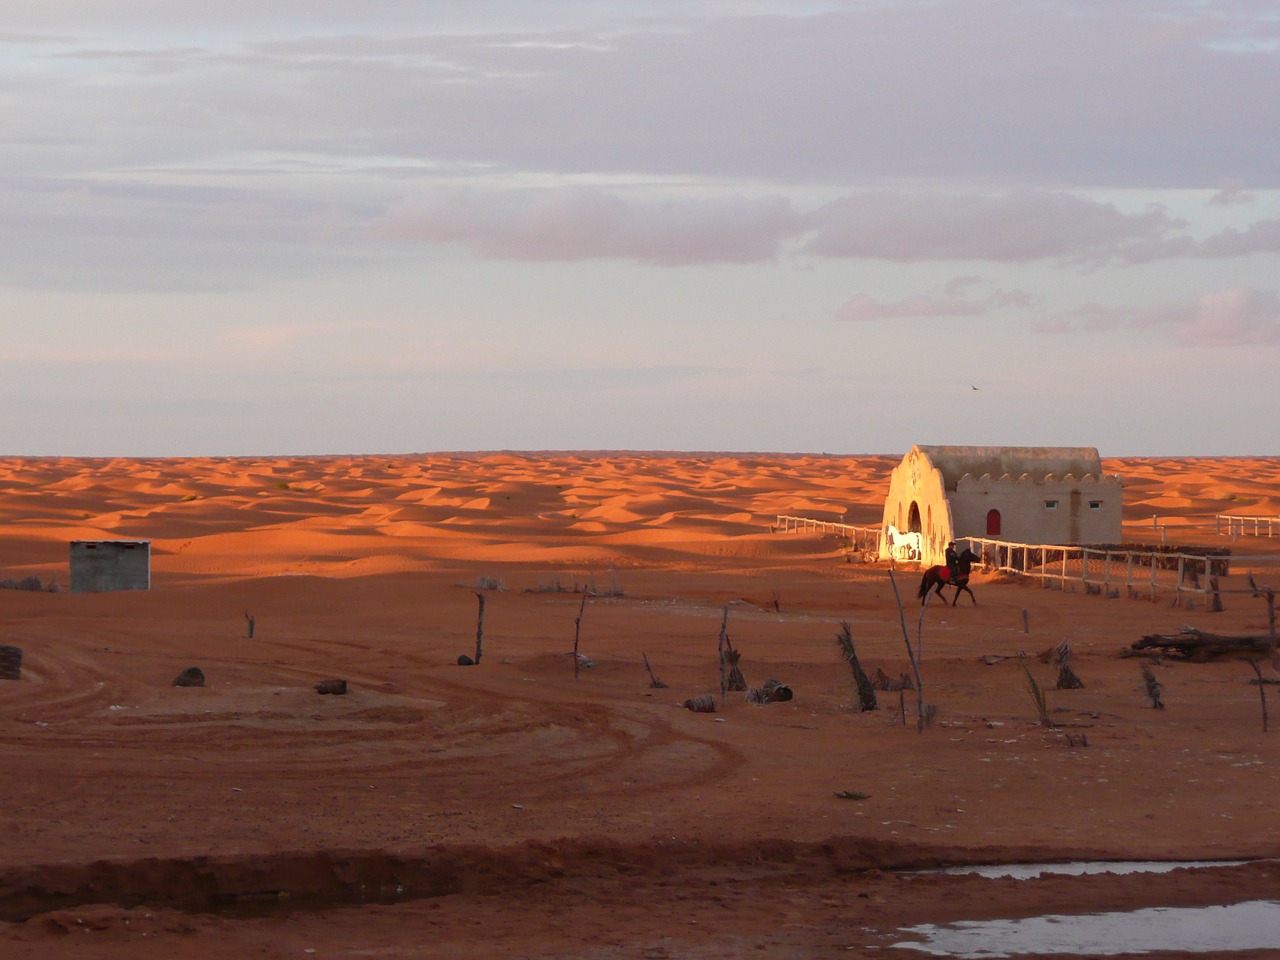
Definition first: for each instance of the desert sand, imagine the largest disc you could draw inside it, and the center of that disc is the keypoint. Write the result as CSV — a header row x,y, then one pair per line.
x,y
520,808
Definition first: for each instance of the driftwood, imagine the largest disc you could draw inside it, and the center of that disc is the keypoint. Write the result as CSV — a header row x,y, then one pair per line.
x,y
773,691
10,663
1061,655
1195,644
653,681
724,638
479,627
577,630
882,681
1067,679
190,677
732,659
1153,687
866,691
703,704
1262,692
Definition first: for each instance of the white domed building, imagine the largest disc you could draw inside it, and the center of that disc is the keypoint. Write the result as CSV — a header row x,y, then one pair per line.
x,y
1036,495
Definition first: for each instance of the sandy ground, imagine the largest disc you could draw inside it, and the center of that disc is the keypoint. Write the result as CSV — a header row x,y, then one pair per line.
x,y
514,808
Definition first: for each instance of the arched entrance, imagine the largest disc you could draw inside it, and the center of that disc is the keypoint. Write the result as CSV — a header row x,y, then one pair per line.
x,y
993,523
913,518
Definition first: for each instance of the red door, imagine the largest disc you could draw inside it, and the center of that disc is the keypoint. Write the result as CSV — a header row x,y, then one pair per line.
x,y
993,523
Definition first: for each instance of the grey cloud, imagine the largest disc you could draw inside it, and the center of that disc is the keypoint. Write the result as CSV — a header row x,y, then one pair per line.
x,y
1092,317
951,303
582,224
1262,236
103,235
1229,317
579,223
1019,226
1068,93
1232,193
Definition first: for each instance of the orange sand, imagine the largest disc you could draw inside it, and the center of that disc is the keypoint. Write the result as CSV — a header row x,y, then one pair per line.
x,y
593,816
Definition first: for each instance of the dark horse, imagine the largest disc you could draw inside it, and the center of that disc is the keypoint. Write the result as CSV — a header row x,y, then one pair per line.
x,y
935,578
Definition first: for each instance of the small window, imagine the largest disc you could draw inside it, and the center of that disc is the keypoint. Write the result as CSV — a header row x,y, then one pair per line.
x,y
1095,504
1051,504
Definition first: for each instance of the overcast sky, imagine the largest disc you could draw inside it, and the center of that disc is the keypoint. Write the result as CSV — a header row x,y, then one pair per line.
x,y
323,226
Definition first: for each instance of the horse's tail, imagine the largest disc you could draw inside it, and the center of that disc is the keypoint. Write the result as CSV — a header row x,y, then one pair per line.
x,y
924,586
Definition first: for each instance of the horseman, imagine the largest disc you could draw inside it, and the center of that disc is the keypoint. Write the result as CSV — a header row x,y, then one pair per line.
x,y
953,561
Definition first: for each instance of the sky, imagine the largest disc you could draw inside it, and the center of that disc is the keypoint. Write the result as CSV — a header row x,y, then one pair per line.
x,y
330,227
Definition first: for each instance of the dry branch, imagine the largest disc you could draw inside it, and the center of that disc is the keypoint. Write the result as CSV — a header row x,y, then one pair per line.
x,y
479,625
653,681
1153,687
724,638
577,630
1198,645
866,692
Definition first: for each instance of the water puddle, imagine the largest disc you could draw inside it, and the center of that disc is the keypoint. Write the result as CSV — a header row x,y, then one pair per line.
x,y
1029,871
1254,925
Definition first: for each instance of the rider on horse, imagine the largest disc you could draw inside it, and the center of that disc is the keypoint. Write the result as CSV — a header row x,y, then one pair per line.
x,y
953,561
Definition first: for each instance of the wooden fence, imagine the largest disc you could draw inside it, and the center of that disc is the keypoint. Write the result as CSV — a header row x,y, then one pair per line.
x,y
866,539
1148,574
1241,526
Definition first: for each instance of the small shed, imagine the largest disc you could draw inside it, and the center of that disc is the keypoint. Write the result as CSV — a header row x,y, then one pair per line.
x,y
1041,495
101,565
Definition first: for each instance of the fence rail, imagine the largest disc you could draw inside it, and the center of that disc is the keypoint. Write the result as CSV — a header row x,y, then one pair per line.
x,y
1243,526
1145,574
1141,573
860,538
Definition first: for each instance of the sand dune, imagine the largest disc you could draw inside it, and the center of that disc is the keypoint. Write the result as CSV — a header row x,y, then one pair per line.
x,y
516,808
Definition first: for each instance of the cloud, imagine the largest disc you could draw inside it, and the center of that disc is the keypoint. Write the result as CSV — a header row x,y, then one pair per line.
x,y
952,303
1018,226
575,223
1261,236
974,91
1232,194
578,223
1092,317
1230,317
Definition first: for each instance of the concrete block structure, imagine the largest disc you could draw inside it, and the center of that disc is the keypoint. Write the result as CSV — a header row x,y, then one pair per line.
x,y
1037,495
101,565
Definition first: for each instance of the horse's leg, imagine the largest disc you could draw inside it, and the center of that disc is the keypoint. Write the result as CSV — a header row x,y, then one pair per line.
x,y
965,588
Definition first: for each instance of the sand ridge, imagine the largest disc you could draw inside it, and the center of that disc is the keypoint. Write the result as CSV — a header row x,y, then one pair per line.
x,y
540,793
